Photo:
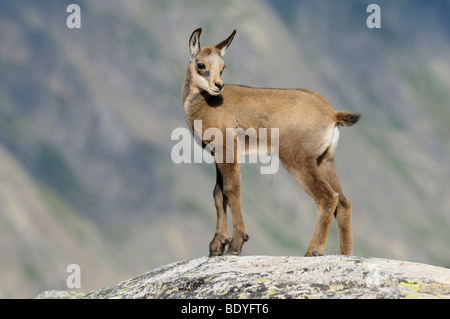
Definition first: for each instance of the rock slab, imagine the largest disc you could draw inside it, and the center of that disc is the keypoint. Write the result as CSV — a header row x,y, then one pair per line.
x,y
260,277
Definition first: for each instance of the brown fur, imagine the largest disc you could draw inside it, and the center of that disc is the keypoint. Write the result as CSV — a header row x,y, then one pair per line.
x,y
308,133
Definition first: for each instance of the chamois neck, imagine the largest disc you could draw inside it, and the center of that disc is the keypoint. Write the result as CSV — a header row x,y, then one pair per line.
x,y
186,87
189,92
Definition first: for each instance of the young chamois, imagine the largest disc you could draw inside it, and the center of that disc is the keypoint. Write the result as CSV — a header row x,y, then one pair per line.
x,y
308,134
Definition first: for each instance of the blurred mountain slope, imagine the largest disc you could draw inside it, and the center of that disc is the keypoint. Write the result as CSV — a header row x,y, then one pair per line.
x,y
86,118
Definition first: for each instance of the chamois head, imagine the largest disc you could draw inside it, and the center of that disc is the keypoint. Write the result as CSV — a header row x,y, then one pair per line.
x,y
207,63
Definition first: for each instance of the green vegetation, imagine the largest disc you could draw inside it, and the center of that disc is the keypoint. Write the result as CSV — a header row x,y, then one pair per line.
x,y
432,95
55,170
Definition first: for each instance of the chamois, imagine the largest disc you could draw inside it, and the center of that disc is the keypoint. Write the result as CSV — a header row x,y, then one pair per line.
x,y
308,131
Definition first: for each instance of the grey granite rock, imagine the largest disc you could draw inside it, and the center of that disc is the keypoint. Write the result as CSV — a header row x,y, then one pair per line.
x,y
283,277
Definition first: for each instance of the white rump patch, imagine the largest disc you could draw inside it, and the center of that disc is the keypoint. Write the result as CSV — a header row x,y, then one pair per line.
x,y
330,141
334,138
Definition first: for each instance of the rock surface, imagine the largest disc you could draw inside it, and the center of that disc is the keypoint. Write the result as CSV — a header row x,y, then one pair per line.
x,y
281,277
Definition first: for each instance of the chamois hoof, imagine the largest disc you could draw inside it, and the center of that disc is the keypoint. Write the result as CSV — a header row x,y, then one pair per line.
x,y
234,249
217,246
313,254
215,254
236,244
232,253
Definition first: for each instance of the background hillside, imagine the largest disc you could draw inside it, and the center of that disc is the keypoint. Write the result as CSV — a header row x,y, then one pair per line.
x,y
86,116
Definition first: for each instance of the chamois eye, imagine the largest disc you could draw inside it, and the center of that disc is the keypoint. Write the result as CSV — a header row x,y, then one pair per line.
x,y
201,66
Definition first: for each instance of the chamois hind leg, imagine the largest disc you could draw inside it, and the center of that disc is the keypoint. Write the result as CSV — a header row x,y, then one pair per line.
x,y
232,194
343,210
326,199
221,237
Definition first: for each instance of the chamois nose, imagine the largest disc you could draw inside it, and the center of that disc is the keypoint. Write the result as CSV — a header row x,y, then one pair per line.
x,y
219,85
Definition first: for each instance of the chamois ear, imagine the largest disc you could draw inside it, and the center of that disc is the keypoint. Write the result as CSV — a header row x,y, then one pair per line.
x,y
194,42
223,46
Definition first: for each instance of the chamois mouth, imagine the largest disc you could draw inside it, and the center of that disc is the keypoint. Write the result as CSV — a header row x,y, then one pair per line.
x,y
214,92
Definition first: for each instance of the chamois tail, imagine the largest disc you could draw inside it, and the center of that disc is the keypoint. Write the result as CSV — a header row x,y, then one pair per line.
x,y
347,118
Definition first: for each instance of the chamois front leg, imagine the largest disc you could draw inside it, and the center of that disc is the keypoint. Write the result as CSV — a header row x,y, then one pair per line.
x,y
232,194
221,237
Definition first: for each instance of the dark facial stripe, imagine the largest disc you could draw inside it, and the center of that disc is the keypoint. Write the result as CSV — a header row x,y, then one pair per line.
x,y
204,73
